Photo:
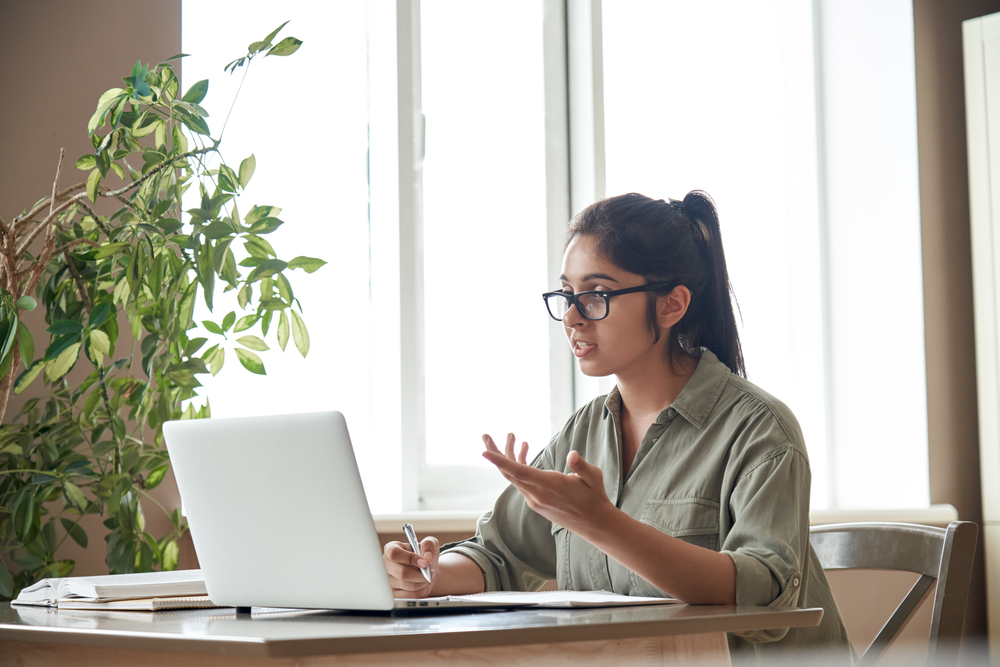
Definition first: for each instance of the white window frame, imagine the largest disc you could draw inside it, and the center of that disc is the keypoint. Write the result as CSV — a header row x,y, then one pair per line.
x,y
575,177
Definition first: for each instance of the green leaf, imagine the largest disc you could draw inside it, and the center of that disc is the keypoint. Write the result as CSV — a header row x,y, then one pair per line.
x,y
24,513
250,361
28,376
285,47
6,582
6,363
62,364
65,327
258,247
60,568
265,225
74,496
245,296
111,249
266,42
26,344
299,333
228,320
26,303
160,136
93,181
258,212
148,129
193,346
284,288
211,326
99,341
283,330
100,314
308,264
215,359
29,562
74,530
197,92
156,476
266,269
253,342
86,163
245,323
106,101
169,556
247,167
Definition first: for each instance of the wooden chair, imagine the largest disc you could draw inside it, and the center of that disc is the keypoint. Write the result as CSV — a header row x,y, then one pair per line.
x,y
937,554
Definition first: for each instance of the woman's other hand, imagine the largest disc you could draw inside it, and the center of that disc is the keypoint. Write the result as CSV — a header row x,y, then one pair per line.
x,y
403,567
575,500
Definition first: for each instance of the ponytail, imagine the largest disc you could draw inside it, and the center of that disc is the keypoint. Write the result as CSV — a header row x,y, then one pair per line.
x,y
716,320
679,242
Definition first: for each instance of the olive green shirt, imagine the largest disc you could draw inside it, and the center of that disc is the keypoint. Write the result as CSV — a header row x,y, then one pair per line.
x,y
724,467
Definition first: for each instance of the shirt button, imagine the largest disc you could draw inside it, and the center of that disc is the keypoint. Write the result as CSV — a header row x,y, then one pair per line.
x,y
671,412
795,582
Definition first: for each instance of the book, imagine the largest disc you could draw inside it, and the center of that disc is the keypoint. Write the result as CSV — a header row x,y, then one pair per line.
x,y
103,588
140,604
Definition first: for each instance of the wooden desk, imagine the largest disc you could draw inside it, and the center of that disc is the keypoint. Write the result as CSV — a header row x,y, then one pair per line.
x,y
668,634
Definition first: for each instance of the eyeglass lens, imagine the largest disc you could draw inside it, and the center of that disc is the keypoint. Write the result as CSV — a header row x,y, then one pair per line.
x,y
594,306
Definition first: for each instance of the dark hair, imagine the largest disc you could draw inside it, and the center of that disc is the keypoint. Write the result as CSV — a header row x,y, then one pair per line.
x,y
672,241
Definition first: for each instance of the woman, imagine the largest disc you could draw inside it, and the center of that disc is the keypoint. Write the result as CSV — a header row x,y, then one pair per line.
x,y
685,480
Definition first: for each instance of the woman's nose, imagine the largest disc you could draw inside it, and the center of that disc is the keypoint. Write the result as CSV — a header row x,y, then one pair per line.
x,y
572,317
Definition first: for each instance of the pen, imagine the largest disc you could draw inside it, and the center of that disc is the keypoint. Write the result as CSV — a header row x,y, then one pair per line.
x,y
412,537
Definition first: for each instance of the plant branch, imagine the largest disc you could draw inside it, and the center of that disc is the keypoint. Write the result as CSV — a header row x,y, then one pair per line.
x,y
80,286
157,169
55,183
75,242
97,219
45,223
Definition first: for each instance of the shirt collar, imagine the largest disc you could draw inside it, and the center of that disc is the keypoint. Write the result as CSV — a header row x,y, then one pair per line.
x,y
696,399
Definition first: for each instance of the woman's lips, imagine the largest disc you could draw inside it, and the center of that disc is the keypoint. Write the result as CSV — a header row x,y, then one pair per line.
x,y
583,348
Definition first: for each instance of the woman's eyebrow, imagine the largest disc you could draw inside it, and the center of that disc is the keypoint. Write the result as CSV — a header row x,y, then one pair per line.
x,y
591,276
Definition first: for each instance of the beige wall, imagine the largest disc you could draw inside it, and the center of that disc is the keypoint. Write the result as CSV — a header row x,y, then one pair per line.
x,y
944,211
60,55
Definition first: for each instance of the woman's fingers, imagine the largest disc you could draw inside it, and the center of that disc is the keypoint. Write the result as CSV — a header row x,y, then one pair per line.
x,y
509,448
403,567
523,457
590,474
490,445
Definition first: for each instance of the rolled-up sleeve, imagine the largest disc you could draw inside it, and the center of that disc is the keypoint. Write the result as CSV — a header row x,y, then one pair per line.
x,y
513,545
768,541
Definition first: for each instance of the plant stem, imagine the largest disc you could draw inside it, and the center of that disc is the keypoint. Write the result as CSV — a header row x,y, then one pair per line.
x,y
236,97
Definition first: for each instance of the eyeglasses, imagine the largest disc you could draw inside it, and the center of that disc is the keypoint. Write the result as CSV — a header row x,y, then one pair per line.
x,y
592,305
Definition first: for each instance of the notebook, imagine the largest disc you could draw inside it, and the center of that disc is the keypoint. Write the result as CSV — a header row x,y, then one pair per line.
x,y
279,518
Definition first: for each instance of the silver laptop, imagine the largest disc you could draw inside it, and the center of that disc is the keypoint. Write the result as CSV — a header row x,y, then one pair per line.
x,y
278,514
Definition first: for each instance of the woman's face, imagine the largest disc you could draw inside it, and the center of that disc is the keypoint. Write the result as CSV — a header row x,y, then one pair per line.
x,y
622,342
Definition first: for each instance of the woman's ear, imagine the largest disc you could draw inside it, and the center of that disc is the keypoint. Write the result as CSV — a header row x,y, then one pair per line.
x,y
671,308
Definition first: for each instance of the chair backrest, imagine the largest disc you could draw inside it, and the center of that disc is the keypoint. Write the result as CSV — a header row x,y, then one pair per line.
x,y
942,555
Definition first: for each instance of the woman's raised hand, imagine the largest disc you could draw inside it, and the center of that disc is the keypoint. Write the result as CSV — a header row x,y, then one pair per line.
x,y
575,500
403,567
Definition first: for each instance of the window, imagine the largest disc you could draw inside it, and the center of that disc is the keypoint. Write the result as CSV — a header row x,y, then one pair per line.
x,y
458,140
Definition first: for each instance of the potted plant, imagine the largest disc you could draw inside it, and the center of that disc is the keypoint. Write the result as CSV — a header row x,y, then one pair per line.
x,y
96,446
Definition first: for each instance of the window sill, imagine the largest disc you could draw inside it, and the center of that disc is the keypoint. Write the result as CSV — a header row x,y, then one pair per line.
x,y
430,523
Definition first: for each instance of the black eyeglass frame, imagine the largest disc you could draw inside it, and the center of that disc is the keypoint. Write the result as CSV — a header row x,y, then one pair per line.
x,y
574,298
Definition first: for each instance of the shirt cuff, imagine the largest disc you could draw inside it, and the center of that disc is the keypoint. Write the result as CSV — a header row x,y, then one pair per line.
x,y
490,576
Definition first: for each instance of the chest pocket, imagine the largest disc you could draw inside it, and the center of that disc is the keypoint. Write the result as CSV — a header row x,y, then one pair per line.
x,y
693,520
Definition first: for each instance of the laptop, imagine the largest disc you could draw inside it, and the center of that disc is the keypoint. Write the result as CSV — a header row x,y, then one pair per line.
x,y
278,514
